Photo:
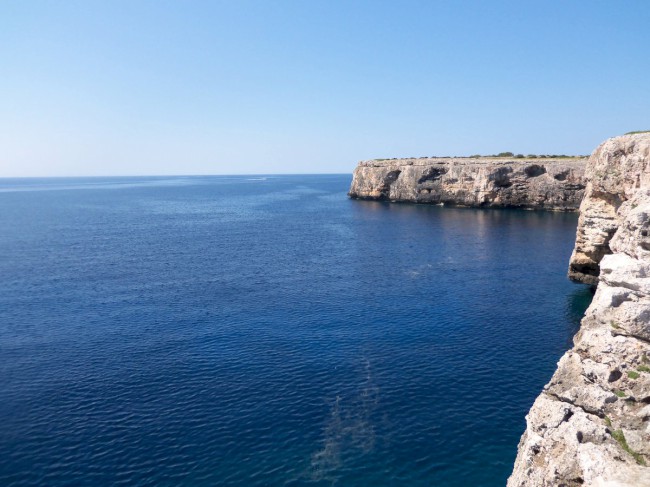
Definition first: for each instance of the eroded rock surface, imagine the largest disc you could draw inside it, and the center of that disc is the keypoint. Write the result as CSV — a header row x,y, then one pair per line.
x,y
551,184
615,171
591,424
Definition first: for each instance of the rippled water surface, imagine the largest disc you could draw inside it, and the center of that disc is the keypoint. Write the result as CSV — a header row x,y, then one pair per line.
x,y
270,331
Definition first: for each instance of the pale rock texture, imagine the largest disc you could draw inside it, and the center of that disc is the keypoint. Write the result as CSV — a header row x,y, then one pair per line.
x,y
617,168
591,424
549,184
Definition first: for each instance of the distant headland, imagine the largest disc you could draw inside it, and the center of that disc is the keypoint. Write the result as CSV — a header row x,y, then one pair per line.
x,y
531,182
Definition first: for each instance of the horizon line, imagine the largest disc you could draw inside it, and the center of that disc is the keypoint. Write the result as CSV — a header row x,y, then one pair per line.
x,y
178,175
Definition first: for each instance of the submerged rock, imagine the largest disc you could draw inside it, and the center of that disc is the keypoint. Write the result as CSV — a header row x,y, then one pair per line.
x,y
549,184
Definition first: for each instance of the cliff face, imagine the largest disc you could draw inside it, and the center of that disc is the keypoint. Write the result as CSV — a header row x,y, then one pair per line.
x,y
616,169
483,182
591,424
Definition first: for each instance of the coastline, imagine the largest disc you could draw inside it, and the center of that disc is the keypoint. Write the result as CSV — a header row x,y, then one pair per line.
x,y
536,184
589,426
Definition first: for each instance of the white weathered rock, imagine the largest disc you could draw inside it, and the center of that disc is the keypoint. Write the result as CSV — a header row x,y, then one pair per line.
x,y
591,424
551,184
615,171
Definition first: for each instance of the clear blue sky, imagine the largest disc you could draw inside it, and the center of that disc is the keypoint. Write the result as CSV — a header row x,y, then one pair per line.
x,y
220,87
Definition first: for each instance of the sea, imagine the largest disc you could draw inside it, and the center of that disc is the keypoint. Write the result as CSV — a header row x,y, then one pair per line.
x,y
270,331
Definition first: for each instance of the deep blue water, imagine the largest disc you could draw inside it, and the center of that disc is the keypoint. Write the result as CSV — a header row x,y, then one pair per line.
x,y
270,331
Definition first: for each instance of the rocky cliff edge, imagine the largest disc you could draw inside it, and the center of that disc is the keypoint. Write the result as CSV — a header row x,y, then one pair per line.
x,y
591,424
549,184
616,170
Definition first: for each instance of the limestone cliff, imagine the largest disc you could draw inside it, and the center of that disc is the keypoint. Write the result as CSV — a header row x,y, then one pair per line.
x,y
616,169
551,184
591,424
